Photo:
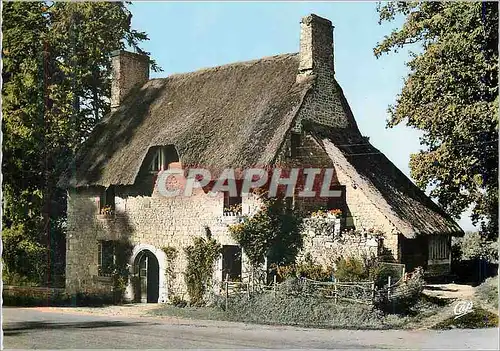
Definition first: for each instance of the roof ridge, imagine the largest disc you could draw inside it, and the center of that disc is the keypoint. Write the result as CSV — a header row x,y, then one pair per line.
x,y
226,66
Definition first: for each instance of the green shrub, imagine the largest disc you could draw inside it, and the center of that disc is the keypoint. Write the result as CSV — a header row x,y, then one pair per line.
x,y
380,272
275,232
305,269
171,254
24,258
31,298
16,279
303,311
296,287
120,270
351,269
472,246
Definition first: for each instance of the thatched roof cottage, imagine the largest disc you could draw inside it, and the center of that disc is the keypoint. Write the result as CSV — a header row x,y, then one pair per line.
x,y
284,108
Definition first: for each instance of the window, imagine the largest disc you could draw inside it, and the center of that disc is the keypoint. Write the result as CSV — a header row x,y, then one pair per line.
x,y
438,247
107,201
294,144
163,156
231,262
106,258
338,202
232,204
158,162
349,222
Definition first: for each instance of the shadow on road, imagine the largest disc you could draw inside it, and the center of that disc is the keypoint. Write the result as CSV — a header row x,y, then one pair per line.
x,y
21,327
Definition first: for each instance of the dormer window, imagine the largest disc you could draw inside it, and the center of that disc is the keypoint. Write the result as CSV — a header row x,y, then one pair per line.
x,y
158,163
162,157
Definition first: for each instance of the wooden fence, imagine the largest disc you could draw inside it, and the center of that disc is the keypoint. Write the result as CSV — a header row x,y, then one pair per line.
x,y
363,292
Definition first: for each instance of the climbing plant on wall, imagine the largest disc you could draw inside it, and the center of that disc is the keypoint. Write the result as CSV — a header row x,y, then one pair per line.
x,y
171,255
123,252
201,257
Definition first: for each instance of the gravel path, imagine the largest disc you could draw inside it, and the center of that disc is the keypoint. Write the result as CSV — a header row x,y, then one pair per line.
x,y
450,291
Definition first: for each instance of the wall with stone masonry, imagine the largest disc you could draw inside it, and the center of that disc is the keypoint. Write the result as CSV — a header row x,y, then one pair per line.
x,y
323,105
145,221
128,70
365,214
326,244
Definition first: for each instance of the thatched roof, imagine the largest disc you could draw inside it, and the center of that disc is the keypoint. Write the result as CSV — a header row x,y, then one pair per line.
x,y
237,116
404,205
229,116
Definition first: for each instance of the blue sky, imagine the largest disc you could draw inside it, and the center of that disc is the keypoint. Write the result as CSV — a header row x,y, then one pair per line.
x,y
187,36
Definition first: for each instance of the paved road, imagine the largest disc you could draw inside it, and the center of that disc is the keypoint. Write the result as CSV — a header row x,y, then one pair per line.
x,y
29,328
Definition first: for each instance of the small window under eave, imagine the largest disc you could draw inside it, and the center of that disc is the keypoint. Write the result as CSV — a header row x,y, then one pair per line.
x,y
163,156
295,140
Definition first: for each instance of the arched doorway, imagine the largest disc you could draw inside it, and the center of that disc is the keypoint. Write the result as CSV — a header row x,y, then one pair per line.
x,y
147,271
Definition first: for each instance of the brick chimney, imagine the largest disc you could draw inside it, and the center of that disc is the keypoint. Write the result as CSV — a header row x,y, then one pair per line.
x,y
128,71
316,45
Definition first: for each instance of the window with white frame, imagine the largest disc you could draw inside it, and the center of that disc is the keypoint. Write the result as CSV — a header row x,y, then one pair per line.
x,y
232,204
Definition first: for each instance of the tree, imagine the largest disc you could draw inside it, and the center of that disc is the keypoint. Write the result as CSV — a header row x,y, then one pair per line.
x,y
56,86
451,94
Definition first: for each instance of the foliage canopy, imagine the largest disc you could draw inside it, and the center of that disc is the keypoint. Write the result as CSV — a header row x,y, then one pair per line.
x,y
451,95
56,87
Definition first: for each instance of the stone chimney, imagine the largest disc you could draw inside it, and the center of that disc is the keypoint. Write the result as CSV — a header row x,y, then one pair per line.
x,y
128,71
316,45
326,104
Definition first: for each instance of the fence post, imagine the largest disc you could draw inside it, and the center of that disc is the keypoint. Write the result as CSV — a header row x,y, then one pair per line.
x,y
227,289
274,285
388,287
373,291
251,279
335,292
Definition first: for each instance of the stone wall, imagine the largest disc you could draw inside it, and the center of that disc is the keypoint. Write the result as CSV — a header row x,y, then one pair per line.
x,y
367,216
358,206
147,222
325,247
324,106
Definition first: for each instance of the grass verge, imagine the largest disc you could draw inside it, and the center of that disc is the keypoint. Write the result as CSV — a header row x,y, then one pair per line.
x,y
304,312
478,318
487,292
